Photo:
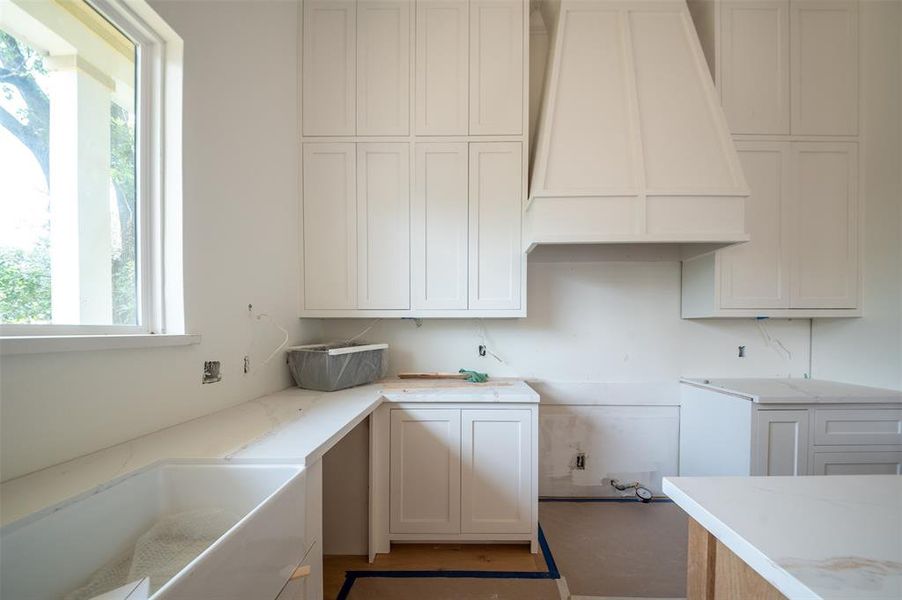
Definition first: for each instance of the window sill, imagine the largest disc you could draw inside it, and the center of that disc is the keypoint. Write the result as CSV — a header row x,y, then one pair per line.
x,y
44,344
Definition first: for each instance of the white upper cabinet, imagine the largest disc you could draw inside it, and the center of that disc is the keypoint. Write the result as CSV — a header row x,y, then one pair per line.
x,y
330,226
824,38
756,274
383,230
754,77
439,226
496,67
825,235
442,69
784,67
329,54
496,261
802,260
412,185
383,67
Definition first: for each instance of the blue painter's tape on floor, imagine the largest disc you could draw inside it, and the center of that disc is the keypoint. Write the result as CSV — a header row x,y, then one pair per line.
x,y
627,499
551,573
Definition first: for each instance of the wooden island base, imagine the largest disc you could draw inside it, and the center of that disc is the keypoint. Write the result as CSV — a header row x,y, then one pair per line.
x,y
715,573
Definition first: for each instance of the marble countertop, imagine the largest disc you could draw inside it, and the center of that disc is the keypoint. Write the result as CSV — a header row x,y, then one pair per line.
x,y
293,424
799,391
825,537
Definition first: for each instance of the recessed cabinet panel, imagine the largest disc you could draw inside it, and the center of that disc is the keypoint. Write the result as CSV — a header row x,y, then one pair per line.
x,y
383,226
329,80
442,75
330,226
495,225
857,463
580,153
754,81
825,266
439,226
700,161
824,58
756,274
782,443
496,67
425,471
383,67
495,471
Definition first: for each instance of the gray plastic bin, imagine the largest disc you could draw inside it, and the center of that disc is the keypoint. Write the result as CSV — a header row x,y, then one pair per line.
x,y
330,367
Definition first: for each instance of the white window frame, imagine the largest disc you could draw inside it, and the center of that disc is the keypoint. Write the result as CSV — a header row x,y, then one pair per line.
x,y
158,179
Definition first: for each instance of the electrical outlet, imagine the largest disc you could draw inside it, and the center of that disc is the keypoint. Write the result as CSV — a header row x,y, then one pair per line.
x,y
247,363
581,461
212,371
741,351
481,350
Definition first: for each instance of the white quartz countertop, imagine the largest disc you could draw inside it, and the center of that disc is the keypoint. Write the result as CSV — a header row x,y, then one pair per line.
x,y
293,424
825,537
799,391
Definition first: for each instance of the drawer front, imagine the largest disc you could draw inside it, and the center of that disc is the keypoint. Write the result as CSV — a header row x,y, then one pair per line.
x,y
857,427
857,463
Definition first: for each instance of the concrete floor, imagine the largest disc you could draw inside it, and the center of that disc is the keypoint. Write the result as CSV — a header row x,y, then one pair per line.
x,y
602,550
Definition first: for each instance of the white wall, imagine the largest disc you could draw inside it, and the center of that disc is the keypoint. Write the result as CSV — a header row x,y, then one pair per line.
x,y
869,350
240,215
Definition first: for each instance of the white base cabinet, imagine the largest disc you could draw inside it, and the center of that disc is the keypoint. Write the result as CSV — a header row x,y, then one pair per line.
x,y
724,434
453,472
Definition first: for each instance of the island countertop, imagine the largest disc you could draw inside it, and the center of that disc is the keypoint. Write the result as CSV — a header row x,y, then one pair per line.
x,y
810,537
291,425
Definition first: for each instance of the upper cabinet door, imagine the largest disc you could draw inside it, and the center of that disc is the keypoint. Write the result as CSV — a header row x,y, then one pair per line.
x,y
825,67
496,209
383,226
825,235
441,67
756,274
383,67
330,226
496,67
329,79
754,75
439,226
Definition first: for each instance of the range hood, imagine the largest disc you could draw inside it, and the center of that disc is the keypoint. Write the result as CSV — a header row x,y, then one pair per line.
x,y
632,145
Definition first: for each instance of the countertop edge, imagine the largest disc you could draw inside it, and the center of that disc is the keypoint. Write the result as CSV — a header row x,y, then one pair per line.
x,y
785,582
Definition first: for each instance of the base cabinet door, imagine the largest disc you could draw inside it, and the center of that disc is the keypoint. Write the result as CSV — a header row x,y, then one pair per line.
x,y
495,471
425,470
857,463
781,443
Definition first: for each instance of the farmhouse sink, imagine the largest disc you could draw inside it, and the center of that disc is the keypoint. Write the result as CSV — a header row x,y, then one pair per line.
x,y
244,522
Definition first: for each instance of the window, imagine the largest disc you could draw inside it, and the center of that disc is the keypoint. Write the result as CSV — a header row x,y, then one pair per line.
x,y
89,195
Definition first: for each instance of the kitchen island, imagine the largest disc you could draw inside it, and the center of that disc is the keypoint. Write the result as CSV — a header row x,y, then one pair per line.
x,y
800,537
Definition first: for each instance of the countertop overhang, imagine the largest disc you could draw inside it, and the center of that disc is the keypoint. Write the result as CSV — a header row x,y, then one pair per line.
x,y
291,425
830,537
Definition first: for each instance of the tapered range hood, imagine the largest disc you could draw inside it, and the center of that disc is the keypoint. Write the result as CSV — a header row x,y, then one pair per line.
x,y
632,145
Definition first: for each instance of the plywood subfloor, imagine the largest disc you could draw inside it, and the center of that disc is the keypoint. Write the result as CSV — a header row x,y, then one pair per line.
x,y
432,557
454,589
617,549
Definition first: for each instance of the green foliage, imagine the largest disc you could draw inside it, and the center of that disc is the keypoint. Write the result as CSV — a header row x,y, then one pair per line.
x,y
25,284
122,164
25,276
